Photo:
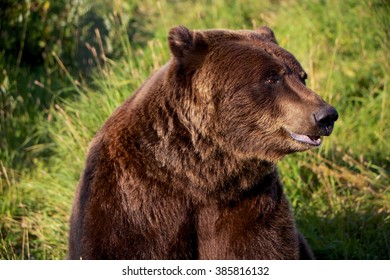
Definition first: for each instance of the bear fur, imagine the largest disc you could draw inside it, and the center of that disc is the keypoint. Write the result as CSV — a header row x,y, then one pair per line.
x,y
186,167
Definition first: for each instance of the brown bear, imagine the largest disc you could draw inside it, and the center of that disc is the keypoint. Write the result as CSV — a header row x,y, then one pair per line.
x,y
186,167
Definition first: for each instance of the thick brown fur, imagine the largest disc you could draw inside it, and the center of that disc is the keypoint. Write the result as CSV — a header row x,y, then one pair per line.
x,y
185,168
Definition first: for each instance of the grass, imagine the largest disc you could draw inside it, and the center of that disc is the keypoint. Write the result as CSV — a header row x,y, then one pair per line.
x,y
339,193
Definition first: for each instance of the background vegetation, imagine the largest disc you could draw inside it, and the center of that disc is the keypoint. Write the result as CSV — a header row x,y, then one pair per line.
x,y
66,65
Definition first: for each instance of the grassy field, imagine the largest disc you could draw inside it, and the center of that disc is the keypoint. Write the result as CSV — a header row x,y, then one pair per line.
x,y
340,192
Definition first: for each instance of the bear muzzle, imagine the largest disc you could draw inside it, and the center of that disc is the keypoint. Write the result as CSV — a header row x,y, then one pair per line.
x,y
323,123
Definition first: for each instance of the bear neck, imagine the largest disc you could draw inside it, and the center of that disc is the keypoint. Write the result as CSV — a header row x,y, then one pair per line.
x,y
177,154
193,162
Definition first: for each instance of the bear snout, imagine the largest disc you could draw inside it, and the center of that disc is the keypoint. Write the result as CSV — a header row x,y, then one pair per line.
x,y
310,132
325,119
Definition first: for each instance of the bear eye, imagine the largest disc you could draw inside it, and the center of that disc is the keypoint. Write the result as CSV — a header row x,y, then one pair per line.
x,y
273,79
303,77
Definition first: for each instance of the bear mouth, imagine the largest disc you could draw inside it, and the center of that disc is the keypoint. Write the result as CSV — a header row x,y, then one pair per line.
x,y
306,139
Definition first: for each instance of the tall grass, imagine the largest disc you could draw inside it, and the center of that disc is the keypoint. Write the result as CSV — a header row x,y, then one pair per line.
x,y
340,192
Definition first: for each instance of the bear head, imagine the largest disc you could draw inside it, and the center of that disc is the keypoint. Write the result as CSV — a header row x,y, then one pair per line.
x,y
246,93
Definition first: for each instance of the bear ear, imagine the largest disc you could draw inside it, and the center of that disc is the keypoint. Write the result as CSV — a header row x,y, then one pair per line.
x,y
187,46
267,34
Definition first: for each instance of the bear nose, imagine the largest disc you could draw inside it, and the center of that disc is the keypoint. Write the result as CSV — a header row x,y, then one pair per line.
x,y
325,119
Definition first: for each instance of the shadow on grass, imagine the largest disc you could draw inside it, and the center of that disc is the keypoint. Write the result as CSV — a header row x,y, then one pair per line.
x,y
348,235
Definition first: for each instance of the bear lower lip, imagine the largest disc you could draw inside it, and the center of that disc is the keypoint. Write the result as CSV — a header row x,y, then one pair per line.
x,y
306,139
